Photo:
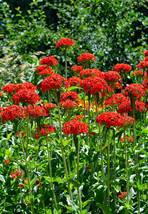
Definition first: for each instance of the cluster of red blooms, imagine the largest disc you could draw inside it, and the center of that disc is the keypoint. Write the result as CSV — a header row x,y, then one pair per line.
x,y
76,68
86,57
145,84
127,138
117,85
146,58
138,74
123,195
112,77
146,53
122,68
75,127
134,90
12,112
35,111
21,133
85,73
1,94
74,81
53,82
46,72
129,120
125,107
44,130
143,65
7,161
69,95
10,88
26,97
16,174
78,117
49,106
65,43
69,104
94,85
49,61
110,119
116,99
25,85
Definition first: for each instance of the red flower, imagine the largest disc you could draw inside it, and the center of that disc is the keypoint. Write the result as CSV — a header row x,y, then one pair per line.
x,y
128,138
134,91
93,85
125,107
143,65
123,195
117,85
36,111
7,161
44,130
129,120
26,181
26,97
12,112
50,61
21,185
53,82
10,88
146,53
21,133
46,72
76,68
146,58
16,174
78,117
69,104
75,127
65,43
110,119
86,57
117,99
88,167
74,81
90,72
122,68
1,94
49,106
41,68
145,84
69,95
112,77
25,85
139,74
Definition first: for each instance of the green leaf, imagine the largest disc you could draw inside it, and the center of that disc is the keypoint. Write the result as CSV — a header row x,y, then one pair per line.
x,y
59,180
104,208
47,179
71,203
49,211
2,178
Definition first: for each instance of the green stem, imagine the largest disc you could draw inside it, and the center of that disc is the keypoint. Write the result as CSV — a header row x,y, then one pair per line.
x,y
108,166
78,190
62,150
28,175
50,171
65,63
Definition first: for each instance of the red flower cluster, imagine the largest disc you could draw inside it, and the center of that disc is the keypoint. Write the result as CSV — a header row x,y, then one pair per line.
x,y
1,94
16,174
110,119
117,99
122,68
76,68
125,107
7,161
46,72
127,138
123,195
75,127
10,88
146,58
50,61
78,117
44,130
69,104
26,97
25,85
12,112
21,133
36,111
86,57
129,120
117,85
53,82
145,84
146,53
74,81
138,74
94,85
49,106
134,90
112,77
85,73
69,95
143,65
65,43
140,106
